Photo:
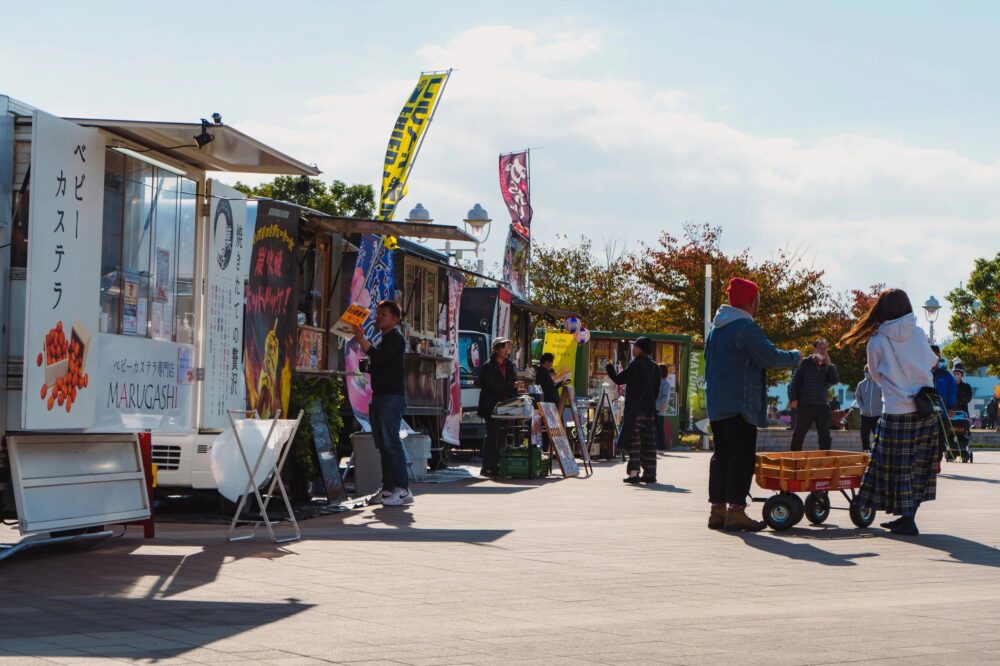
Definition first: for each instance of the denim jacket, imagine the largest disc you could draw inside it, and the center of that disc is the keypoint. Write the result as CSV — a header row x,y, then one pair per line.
x,y
737,354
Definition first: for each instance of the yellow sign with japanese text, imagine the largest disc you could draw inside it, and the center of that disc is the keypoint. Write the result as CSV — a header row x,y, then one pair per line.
x,y
562,345
355,315
406,137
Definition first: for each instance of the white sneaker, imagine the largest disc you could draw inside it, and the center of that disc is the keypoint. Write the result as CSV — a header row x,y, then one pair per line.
x,y
381,496
400,497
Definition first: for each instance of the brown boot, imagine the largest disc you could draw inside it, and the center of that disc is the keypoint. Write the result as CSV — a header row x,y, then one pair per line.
x,y
717,519
737,520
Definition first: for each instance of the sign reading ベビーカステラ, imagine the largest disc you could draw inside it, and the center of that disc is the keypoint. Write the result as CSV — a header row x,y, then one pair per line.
x,y
228,267
143,385
64,269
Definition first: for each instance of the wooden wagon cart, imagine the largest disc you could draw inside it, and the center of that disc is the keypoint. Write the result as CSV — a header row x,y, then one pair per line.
x,y
816,473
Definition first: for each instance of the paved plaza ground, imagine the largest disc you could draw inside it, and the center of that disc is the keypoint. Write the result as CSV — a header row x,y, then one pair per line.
x,y
575,571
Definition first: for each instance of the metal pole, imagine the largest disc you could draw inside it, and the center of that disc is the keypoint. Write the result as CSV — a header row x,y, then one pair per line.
x,y
708,325
479,268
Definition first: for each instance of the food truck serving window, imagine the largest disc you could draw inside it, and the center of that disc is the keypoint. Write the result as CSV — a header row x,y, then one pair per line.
x,y
424,291
147,251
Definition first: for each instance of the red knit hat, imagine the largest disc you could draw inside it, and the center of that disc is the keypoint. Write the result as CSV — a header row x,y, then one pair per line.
x,y
741,292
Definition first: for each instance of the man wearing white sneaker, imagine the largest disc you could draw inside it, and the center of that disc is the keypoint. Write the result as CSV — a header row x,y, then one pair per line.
x,y
388,401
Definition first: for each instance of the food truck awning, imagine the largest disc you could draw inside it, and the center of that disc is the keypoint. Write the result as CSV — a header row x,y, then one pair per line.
x,y
553,313
350,225
230,150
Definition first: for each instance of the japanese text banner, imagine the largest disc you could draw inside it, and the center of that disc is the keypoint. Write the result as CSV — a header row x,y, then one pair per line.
x,y
515,263
270,316
66,215
514,187
404,142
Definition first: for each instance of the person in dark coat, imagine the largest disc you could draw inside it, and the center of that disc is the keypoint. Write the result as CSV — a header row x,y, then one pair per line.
x,y
991,412
809,390
638,435
545,380
497,382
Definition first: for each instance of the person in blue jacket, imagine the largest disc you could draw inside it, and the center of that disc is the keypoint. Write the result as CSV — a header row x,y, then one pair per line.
x,y
737,355
945,382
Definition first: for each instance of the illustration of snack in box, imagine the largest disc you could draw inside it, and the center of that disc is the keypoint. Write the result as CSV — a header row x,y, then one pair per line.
x,y
65,360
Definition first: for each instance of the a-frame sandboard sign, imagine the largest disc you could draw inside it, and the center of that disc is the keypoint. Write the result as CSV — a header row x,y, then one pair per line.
x,y
567,400
604,413
553,423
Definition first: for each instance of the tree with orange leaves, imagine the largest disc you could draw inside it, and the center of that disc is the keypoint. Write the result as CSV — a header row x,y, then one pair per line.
x,y
793,295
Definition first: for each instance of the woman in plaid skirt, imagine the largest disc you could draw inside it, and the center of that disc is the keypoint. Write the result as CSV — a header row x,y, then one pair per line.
x,y
903,468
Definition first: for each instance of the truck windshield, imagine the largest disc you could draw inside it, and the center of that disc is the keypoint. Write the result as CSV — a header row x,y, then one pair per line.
x,y
472,355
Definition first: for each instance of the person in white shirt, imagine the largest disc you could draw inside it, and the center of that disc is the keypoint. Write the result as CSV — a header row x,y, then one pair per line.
x,y
902,472
868,397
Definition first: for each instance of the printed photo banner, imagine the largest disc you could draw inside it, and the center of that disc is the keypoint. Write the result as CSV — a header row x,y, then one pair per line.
x,y
407,135
270,321
515,189
373,281
453,420
515,264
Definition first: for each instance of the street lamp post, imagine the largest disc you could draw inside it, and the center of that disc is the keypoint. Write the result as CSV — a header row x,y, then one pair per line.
x,y
931,310
477,223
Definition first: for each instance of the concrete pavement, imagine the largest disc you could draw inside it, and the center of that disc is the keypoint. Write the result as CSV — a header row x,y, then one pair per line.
x,y
575,571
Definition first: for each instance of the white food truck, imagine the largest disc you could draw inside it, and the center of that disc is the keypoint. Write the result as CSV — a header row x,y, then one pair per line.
x,y
121,307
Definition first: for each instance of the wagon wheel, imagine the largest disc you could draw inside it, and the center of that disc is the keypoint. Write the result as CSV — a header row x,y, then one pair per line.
x,y
861,516
817,507
797,506
780,512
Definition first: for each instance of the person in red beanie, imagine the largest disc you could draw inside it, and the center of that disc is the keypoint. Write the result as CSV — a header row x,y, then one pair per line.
x,y
737,355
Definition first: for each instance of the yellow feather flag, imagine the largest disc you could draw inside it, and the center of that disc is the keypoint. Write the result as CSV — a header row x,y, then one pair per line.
x,y
406,138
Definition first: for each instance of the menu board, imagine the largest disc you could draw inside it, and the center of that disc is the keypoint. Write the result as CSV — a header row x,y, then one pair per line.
x,y
326,452
557,435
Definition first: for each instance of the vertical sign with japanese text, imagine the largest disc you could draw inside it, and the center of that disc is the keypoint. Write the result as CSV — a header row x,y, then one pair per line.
x,y
453,419
270,321
515,263
64,274
515,190
228,268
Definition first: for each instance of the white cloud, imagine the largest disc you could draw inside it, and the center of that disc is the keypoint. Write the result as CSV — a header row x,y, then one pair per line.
x,y
620,154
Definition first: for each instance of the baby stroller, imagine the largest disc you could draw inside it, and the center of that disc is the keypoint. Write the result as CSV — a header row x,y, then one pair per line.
x,y
949,444
961,426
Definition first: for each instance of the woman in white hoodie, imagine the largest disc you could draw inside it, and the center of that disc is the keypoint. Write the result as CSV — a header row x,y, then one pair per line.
x,y
903,468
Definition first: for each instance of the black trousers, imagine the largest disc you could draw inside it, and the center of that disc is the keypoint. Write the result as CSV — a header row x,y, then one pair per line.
x,y
807,415
491,445
732,465
868,425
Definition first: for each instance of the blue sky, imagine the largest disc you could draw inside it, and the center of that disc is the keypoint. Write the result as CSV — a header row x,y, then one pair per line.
x,y
859,133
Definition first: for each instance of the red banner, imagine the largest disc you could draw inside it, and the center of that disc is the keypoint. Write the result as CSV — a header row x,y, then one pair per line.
x,y
515,190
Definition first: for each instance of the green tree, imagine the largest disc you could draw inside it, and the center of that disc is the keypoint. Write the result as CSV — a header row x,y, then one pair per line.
x,y
338,199
603,290
975,319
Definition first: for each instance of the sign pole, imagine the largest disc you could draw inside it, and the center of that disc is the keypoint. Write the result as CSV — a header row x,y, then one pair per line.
x,y
708,325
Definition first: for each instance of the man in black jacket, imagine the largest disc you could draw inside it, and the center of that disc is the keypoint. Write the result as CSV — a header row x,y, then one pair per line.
x,y
809,394
544,379
388,401
638,434
497,382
